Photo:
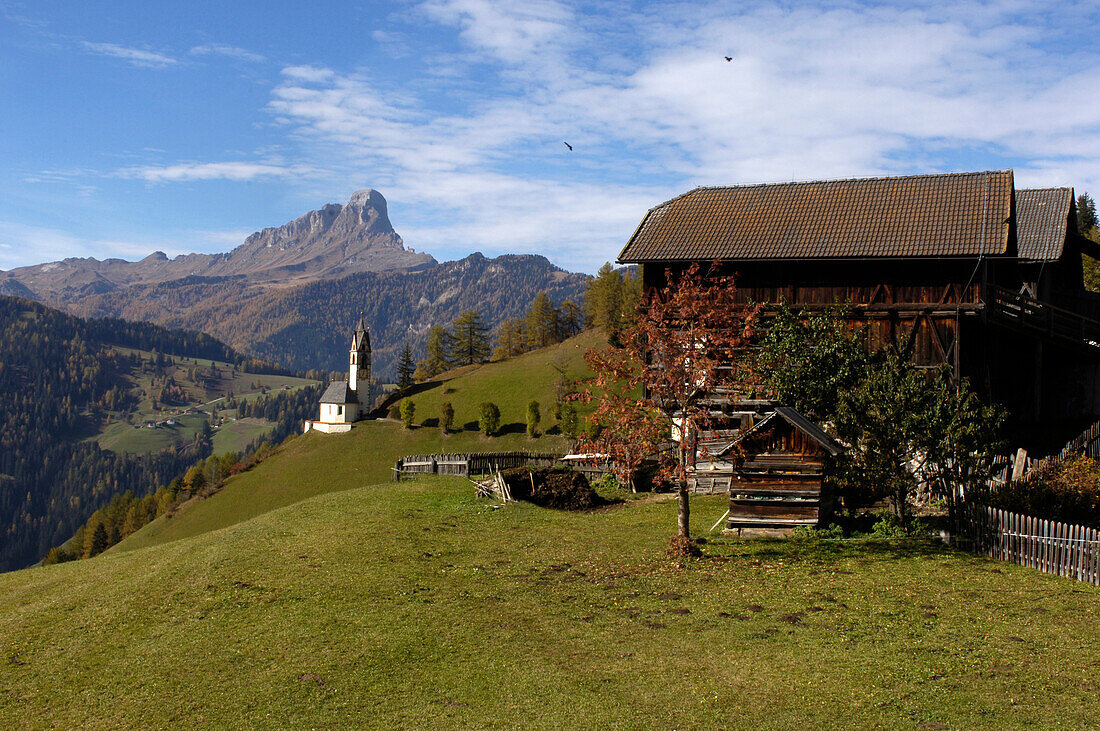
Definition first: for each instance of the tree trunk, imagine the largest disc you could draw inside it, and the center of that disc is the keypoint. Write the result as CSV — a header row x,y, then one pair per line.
x,y
683,514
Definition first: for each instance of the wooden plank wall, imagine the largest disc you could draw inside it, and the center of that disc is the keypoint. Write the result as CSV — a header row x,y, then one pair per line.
x,y
1057,548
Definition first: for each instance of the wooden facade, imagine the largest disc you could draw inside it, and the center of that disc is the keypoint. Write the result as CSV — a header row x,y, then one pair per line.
x,y
775,481
958,269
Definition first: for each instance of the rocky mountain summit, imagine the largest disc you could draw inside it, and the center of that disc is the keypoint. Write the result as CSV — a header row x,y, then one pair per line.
x,y
331,242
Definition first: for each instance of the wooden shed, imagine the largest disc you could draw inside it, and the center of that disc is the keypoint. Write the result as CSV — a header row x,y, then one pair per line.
x,y
777,482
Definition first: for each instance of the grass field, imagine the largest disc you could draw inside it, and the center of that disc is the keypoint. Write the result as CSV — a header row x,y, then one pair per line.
x,y
416,605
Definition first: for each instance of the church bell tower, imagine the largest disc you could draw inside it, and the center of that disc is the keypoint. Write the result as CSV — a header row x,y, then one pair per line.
x,y
359,367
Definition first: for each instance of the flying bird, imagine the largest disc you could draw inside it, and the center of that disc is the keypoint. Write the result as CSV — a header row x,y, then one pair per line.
x,y
728,58
568,145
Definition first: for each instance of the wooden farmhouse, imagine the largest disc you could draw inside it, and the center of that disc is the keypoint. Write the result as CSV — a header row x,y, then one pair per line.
x,y
775,479
963,268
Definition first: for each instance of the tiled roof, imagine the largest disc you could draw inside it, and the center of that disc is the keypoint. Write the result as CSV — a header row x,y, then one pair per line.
x,y
956,214
1042,217
338,392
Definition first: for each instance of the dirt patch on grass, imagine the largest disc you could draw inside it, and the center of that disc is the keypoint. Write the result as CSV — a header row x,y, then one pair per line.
x,y
552,488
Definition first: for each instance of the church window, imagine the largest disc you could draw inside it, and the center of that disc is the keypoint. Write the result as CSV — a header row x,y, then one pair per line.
x,y
339,410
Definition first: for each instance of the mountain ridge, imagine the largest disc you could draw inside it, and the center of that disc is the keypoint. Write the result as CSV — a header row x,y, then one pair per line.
x,y
333,241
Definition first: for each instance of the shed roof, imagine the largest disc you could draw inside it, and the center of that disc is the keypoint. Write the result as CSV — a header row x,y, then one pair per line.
x,y
1042,222
954,214
798,421
338,392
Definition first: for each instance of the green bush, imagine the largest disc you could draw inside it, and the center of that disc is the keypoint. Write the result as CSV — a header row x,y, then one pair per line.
x,y
446,416
569,424
889,526
408,412
489,422
533,418
394,412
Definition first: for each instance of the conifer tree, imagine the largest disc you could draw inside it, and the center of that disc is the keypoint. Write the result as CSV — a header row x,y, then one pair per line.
x,y
470,339
603,299
542,322
446,417
511,339
437,357
533,418
99,540
405,368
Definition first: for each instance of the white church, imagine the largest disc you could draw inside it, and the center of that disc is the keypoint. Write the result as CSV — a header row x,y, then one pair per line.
x,y
344,402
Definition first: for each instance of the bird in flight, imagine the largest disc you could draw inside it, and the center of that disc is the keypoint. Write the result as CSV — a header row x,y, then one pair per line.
x,y
728,58
568,145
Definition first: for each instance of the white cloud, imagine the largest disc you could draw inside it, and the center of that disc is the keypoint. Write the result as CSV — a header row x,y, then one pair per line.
x,y
184,172
220,49
134,56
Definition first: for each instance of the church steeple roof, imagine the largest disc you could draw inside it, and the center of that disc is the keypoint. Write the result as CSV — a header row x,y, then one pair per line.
x,y
360,339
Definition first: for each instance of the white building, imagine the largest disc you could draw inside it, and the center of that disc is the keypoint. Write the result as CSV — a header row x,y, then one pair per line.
x,y
347,401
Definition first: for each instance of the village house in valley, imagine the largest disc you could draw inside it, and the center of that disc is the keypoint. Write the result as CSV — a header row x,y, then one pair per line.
x,y
345,402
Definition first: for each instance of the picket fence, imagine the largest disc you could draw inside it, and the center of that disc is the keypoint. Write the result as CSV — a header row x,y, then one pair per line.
x,y
1045,545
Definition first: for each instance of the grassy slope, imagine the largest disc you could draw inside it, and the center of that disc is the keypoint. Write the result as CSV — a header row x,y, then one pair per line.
x,y
416,605
317,463
510,384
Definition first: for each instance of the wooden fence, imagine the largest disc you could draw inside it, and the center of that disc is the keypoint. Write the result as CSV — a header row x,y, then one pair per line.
x,y
1046,545
1086,443
478,463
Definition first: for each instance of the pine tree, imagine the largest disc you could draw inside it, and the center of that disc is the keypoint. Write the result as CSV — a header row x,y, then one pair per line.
x,y
405,368
470,339
1086,214
99,540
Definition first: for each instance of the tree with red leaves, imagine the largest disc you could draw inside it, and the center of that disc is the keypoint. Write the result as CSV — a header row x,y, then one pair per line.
x,y
684,348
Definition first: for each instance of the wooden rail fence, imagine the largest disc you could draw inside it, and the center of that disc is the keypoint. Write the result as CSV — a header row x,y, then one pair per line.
x,y
1045,545
464,465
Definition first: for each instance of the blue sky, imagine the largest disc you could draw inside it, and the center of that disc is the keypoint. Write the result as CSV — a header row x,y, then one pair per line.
x,y
130,127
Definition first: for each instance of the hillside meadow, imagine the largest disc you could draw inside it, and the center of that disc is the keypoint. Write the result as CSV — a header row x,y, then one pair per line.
x,y
312,591
417,605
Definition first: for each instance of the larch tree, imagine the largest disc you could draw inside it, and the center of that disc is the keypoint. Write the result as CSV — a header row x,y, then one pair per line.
x,y
470,339
542,322
686,344
437,355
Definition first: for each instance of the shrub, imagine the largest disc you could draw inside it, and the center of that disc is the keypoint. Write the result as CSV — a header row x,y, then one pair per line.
x,y
489,422
394,412
408,412
533,418
1069,492
890,526
446,417
570,425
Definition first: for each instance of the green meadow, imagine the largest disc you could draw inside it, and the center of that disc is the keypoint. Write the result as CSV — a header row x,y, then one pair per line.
x,y
314,592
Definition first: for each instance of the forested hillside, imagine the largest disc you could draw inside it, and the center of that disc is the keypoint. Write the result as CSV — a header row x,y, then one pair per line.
x,y
58,381
309,326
